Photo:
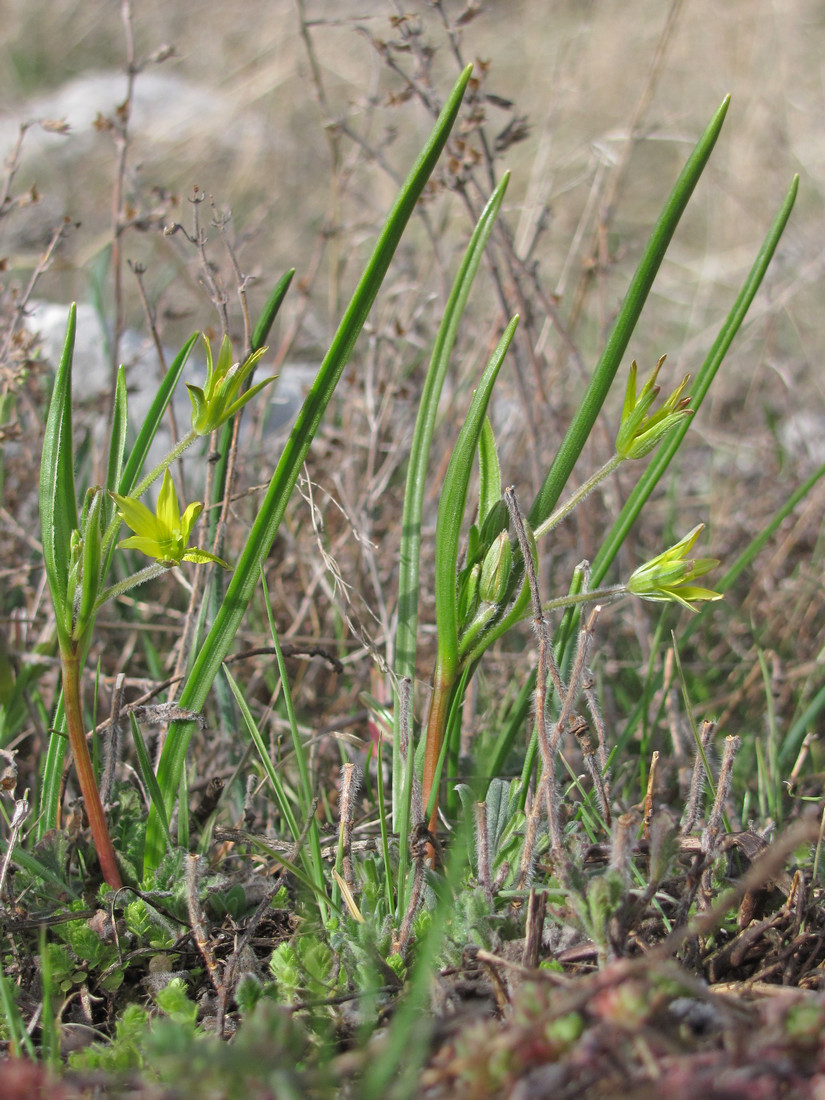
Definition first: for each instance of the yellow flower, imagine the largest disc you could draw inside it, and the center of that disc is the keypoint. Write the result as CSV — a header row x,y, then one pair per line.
x,y
163,536
221,397
640,433
666,577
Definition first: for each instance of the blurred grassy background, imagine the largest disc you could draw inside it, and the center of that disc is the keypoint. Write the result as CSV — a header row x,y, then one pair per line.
x,y
291,115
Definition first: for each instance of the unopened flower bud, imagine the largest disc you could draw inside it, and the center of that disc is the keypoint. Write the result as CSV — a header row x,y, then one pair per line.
x,y
496,569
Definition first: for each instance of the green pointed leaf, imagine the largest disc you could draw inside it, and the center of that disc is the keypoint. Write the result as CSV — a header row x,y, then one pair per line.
x,y
452,505
625,323
245,578
270,310
407,632
58,502
489,489
117,445
90,572
151,423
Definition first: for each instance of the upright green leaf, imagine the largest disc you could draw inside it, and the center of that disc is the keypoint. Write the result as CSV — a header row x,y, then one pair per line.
x,y
117,444
151,423
406,635
453,502
217,643
489,469
625,323
58,502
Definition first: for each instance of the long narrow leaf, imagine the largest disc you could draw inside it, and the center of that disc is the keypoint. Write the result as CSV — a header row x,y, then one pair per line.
x,y
270,310
58,500
284,805
660,461
407,631
147,774
625,323
452,505
243,583
489,472
117,445
447,535
148,430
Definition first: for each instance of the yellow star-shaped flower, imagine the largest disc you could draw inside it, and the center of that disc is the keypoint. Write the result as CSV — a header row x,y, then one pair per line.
x,y
164,535
666,578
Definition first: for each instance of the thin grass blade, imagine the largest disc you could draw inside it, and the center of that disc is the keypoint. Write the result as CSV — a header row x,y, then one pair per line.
x,y
147,774
58,500
148,430
117,445
625,323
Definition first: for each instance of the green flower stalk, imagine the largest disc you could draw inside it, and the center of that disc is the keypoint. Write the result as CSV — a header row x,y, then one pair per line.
x,y
165,535
222,395
666,578
639,433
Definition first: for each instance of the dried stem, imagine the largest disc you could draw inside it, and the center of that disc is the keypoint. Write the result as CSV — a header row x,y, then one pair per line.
x,y
697,781
113,741
350,781
421,846
121,132
483,852
651,786
21,812
579,730
710,834
197,921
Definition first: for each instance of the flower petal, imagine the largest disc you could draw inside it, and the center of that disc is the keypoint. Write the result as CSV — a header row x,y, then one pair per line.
x,y
168,512
188,518
136,515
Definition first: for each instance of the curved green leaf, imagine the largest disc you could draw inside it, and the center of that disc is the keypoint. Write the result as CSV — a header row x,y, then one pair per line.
x,y
625,323
452,505
58,501
238,594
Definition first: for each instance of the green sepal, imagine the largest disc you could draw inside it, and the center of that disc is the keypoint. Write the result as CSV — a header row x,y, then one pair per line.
x,y
201,557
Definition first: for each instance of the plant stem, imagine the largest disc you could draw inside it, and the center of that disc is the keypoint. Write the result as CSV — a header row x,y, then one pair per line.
x,y
573,501
436,724
594,595
146,574
70,664
165,462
